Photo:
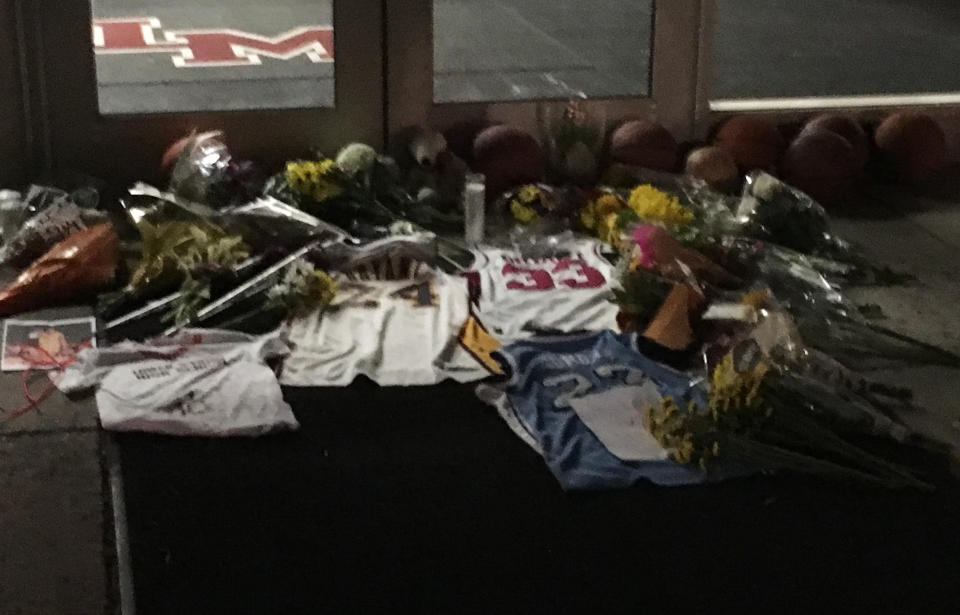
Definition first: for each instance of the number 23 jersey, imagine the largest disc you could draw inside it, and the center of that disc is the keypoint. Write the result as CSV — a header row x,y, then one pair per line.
x,y
522,296
579,401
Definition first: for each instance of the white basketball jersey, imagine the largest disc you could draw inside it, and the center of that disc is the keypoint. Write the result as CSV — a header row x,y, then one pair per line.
x,y
395,332
569,292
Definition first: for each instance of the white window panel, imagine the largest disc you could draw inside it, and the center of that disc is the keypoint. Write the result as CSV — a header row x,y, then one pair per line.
x,y
791,59
114,141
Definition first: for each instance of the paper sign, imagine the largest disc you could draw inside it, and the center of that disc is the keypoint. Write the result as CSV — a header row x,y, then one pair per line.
x,y
616,418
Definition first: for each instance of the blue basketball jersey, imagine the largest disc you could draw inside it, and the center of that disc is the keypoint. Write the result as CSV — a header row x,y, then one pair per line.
x,y
579,401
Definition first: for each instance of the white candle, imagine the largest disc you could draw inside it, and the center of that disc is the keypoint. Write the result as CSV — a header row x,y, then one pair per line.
x,y
474,206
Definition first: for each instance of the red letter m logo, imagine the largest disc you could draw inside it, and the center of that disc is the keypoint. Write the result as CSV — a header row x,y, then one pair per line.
x,y
211,47
234,48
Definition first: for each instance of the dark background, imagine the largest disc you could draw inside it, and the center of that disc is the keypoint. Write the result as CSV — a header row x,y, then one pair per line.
x,y
423,501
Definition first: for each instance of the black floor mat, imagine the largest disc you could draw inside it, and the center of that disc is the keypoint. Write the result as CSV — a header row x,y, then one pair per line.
x,y
421,500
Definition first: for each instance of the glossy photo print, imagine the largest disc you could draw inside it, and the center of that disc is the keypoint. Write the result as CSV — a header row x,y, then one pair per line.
x,y
37,344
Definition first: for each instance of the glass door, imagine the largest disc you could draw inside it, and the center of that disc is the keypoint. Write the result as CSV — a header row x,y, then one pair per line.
x,y
455,60
123,79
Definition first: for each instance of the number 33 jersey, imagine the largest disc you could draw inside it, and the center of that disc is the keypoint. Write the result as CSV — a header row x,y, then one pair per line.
x,y
566,293
395,332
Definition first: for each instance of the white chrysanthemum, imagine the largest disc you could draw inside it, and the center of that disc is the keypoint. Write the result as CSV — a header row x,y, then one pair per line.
x,y
356,158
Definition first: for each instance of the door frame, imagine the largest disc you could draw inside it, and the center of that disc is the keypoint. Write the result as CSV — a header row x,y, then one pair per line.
x,y
17,152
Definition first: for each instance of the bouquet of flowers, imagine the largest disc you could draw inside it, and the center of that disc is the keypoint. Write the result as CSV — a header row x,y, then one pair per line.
x,y
825,318
299,289
773,211
759,417
610,214
323,189
652,247
360,191
178,255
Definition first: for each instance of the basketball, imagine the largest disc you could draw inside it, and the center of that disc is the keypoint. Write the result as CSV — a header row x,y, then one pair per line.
x,y
508,157
714,166
753,142
644,143
461,136
846,127
821,163
912,145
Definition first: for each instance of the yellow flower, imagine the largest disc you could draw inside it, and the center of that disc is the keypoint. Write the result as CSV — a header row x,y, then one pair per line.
x,y
322,287
607,204
668,426
600,215
522,213
655,205
526,201
733,391
608,230
317,180
693,436
685,450
529,194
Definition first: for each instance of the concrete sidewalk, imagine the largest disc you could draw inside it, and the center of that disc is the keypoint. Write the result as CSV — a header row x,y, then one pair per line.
x,y
55,547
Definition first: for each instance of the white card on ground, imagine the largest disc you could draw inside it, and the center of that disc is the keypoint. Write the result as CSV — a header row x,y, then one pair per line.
x,y
616,418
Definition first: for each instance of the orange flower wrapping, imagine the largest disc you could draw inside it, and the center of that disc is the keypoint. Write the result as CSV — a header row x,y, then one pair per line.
x,y
672,327
71,270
